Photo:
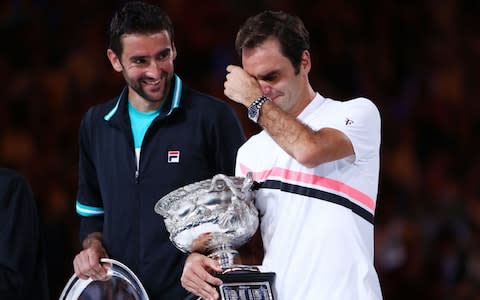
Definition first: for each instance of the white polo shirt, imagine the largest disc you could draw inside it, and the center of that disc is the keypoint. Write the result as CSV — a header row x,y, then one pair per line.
x,y
317,223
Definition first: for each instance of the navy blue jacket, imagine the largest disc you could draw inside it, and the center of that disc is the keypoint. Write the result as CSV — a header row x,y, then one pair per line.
x,y
194,137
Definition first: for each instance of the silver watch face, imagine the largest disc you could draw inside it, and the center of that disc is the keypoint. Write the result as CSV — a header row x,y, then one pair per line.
x,y
253,113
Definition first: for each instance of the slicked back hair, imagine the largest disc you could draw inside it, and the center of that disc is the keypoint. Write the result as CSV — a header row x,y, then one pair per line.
x,y
289,30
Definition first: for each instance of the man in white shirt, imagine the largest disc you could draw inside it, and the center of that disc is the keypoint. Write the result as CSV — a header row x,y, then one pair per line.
x,y
317,162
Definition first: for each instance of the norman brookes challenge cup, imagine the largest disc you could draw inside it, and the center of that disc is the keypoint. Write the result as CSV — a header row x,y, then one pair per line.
x,y
223,207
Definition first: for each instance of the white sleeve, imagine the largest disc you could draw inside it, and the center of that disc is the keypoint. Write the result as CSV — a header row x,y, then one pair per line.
x,y
361,124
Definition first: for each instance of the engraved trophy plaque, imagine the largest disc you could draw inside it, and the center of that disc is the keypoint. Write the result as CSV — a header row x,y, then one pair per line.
x,y
222,207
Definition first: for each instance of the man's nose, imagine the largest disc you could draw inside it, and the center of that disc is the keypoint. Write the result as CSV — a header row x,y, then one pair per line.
x,y
154,69
266,88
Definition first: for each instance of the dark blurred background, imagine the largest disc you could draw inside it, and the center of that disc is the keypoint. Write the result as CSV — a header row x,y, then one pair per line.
x,y
417,60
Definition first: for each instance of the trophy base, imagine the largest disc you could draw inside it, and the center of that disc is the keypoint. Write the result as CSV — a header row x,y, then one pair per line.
x,y
247,285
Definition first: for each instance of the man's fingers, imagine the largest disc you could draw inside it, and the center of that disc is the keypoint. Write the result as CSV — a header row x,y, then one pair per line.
x,y
230,68
87,264
78,267
200,287
207,278
197,279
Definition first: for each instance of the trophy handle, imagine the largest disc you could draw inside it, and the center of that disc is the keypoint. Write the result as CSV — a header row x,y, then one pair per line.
x,y
239,192
247,183
218,182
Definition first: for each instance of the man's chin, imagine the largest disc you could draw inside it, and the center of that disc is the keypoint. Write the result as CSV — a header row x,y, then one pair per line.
x,y
154,100
155,97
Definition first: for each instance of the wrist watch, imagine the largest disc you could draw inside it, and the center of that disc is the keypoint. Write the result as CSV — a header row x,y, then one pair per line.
x,y
254,108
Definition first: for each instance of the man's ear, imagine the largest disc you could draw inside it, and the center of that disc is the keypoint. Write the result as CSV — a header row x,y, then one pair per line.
x,y
306,63
114,60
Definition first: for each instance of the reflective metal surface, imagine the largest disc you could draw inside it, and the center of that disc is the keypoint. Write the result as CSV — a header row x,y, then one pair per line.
x,y
222,206
122,284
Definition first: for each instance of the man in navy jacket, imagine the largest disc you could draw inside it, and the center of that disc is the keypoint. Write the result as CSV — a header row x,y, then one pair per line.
x,y
155,137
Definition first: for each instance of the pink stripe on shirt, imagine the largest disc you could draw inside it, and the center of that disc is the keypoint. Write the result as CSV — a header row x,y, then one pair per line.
x,y
312,180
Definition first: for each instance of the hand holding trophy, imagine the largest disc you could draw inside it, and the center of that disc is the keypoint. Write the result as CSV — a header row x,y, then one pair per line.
x,y
218,215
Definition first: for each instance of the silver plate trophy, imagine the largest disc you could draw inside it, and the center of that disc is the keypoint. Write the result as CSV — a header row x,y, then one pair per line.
x,y
223,207
121,284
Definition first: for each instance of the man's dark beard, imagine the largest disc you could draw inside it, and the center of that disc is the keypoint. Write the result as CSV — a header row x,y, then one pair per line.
x,y
137,87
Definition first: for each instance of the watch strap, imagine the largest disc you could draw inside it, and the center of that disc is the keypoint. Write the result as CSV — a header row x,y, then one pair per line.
x,y
259,101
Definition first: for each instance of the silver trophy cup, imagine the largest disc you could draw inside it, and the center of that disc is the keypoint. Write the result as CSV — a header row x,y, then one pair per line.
x,y
224,208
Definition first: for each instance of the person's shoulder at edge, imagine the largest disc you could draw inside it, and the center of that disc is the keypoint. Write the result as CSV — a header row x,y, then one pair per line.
x,y
9,177
8,174
10,180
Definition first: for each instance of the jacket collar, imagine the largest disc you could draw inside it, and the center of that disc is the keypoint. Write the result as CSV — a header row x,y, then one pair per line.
x,y
172,103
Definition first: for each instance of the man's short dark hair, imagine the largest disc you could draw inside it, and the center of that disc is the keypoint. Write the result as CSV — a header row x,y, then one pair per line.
x,y
137,17
287,29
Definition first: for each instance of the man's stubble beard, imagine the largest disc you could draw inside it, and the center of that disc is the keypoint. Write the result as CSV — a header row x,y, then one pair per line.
x,y
137,86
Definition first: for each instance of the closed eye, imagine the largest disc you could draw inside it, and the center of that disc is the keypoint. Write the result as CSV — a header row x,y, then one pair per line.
x,y
270,77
